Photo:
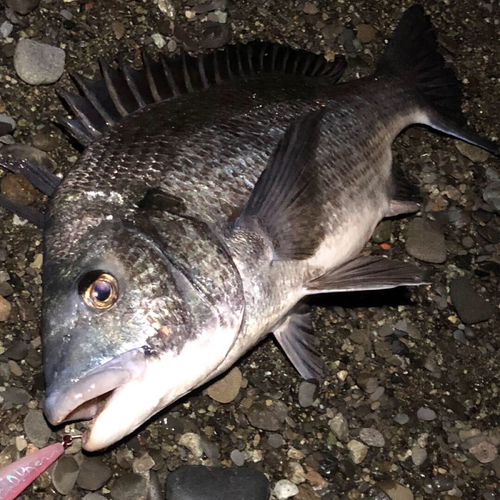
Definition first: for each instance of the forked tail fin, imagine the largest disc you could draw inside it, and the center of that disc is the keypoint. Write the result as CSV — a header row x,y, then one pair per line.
x,y
412,55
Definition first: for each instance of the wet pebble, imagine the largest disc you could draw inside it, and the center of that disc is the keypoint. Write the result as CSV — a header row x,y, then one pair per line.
x,y
340,427
426,414
205,483
265,417
38,63
22,7
5,309
474,153
7,124
94,474
93,496
425,241
367,382
383,231
142,464
366,33
130,486
227,388
295,473
372,437
307,393
485,452
6,29
16,396
36,428
470,306
285,489
64,474
491,195
275,441
357,451
192,442
396,491
443,483
310,9
418,455
18,189
238,458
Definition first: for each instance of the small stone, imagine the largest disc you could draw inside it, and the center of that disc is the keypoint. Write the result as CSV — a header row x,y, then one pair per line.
x,y
310,9
401,418
38,63
192,442
470,306
119,30
217,17
94,474
93,496
36,428
425,241
443,483
264,417
357,451
275,441
418,455
366,33
396,491
142,464
372,437
227,388
7,124
382,232
367,382
238,458
6,30
16,396
285,489
18,189
159,40
5,309
295,473
484,452
491,195
130,487
307,393
474,153
340,427
205,483
66,14
22,7
21,443
64,474
426,414
125,458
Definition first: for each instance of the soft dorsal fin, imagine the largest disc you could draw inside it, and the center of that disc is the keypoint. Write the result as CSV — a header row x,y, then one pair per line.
x,y
123,90
282,202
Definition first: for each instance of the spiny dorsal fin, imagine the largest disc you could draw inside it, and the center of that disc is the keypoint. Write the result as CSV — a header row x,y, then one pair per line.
x,y
124,90
280,204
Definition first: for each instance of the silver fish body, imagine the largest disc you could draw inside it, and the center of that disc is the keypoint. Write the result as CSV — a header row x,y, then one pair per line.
x,y
209,216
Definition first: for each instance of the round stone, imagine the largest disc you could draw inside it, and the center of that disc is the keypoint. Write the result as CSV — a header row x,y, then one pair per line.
x,y
227,388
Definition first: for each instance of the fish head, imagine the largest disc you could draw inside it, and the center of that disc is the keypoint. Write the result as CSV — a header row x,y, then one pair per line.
x,y
137,313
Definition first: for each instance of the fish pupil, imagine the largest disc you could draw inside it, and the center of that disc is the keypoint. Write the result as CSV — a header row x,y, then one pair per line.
x,y
102,291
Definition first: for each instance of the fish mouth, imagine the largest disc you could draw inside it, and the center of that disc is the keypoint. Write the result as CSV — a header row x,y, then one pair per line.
x,y
89,396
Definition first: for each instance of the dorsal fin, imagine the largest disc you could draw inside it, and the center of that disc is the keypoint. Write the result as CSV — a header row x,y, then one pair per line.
x,y
124,90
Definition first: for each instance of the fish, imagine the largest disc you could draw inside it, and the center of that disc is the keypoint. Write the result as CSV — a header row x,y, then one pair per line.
x,y
213,196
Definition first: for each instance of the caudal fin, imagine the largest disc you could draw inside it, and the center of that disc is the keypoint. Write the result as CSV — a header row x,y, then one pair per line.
x,y
412,55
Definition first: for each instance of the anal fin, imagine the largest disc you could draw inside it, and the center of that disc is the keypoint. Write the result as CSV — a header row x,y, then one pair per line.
x,y
368,273
295,338
405,195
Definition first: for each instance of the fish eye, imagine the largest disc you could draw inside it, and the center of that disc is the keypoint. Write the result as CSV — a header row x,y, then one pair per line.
x,y
99,290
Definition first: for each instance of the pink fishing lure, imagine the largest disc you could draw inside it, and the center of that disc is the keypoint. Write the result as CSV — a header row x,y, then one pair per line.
x,y
20,474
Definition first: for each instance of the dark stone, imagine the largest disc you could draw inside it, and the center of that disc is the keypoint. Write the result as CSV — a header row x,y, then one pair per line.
x,y
17,351
489,233
196,482
94,474
22,7
470,306
130,487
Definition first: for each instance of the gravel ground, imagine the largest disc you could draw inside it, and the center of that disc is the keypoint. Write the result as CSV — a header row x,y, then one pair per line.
x,y
411,405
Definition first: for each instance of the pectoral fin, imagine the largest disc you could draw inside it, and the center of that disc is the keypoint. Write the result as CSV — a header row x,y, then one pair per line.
x,y
295,338
368,273
281,202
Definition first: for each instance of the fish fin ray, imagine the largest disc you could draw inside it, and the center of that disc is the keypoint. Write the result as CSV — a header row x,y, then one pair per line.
x,y
295,337
368,273
405,195
280,202
124,90
31,214
412,54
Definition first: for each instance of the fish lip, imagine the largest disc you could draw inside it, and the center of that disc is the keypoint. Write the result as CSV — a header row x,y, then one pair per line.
x,y
63,403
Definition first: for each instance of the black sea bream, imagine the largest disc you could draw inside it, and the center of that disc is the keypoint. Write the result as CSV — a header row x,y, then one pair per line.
x,y
215,194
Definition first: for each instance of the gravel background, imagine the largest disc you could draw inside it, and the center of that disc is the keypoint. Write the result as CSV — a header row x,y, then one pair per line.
x,y
411,406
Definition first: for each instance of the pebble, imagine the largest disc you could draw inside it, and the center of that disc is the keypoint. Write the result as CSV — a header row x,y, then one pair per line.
x,y
474,153
125,458
22,7
484,452
5,309
426,414
357,451
382,232
396,491
340,427
275,441
64,474
130,486
285,489
296,473
36,428
192,442
227,388
38,63
119,30
367,382
310,9
94,474
21,443
93,496
217,17
7,124
159,40
142,464
491,195
205,483
470,306
307,393
5,30
366,33
372,437
418,455
16,396
425,241
264,417
238,458
443,483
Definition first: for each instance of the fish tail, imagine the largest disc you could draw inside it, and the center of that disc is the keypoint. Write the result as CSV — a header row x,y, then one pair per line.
x,y
412,56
